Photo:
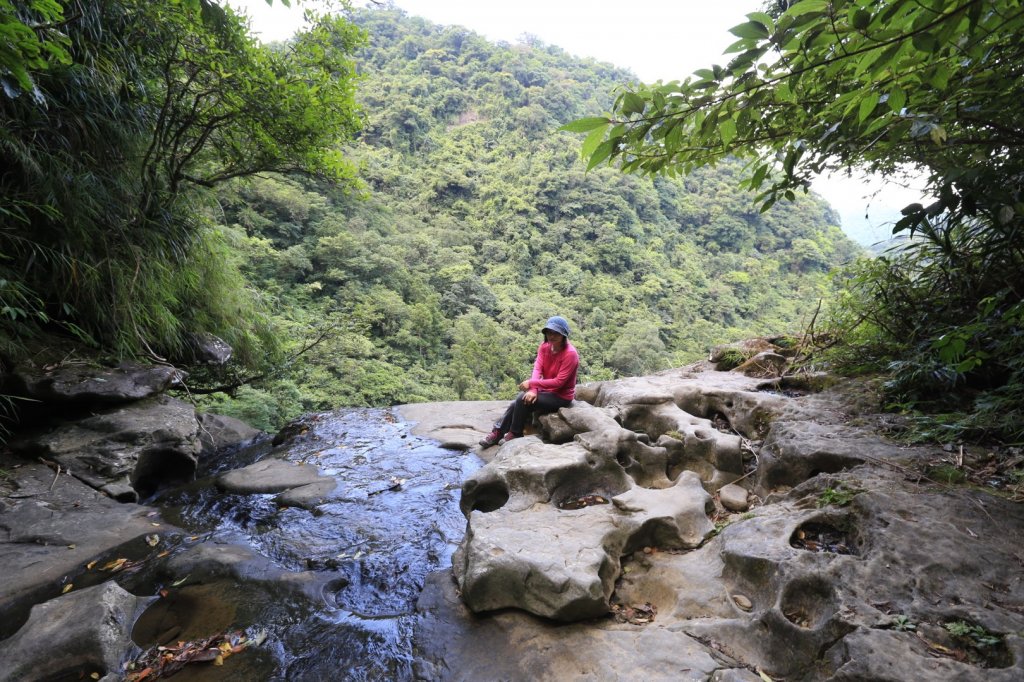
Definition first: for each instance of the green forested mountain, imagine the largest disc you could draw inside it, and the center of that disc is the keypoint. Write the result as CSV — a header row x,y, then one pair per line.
x,y
477,221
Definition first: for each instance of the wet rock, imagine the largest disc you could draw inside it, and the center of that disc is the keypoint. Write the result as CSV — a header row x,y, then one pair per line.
x,y
50,528
271,475
76,635
217,431
308,496
206,349
734,497
126,451
92,385
455,425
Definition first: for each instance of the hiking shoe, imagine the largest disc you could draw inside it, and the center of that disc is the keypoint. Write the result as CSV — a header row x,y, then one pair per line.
x,y
509,436
491,438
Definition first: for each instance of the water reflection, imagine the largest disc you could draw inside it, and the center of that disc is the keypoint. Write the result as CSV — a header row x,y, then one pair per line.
x,y
393,518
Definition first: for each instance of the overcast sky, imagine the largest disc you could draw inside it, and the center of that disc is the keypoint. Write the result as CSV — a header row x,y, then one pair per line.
x,y
655,39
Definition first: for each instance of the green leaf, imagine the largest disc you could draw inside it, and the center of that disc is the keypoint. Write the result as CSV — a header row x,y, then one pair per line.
x,y
727,129
763,19
867,105
632,104
897,99
591,142
582,125
861,19
801,8
751,29
941,77
925,42
603,151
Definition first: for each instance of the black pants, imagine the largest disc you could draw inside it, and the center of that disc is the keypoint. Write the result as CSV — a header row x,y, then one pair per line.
x,y
519,412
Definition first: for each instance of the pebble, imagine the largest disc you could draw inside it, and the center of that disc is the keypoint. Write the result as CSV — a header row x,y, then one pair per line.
x,y
734,497
742,602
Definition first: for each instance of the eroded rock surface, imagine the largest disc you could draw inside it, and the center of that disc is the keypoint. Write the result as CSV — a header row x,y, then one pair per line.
x,y
847,567
52,525
123,451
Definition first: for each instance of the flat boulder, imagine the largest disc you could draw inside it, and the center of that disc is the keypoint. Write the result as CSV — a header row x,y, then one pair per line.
x,y
271,475
91,385
457,425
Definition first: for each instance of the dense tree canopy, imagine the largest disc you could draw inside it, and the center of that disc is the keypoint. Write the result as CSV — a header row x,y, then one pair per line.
x,y
478,221
115,121
882,85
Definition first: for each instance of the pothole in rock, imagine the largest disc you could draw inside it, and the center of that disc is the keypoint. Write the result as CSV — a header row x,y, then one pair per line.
x,y
574,494
588,500
808,602
487,497
721,422
816,536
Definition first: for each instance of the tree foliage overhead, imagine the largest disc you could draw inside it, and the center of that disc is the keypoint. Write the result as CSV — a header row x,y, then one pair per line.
x,y
817,85
115,124
885,86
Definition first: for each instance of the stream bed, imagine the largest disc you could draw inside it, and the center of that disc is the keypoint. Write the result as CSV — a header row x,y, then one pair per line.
x,y
363,555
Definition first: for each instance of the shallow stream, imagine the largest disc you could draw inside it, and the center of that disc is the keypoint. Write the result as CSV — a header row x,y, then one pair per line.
x,y
363,555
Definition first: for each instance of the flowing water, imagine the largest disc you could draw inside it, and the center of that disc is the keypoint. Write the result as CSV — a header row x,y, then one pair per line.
x,y
364,554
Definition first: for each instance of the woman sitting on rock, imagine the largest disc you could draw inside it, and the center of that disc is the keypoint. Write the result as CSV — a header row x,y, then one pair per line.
x,y
553,384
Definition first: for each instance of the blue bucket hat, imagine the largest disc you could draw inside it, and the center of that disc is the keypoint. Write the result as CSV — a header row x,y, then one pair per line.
x,y
557,324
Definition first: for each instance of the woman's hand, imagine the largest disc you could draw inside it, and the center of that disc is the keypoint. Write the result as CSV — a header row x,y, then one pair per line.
x,y
530,397
525,386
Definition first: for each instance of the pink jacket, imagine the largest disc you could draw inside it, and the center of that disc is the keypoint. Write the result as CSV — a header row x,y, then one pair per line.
x,y
555,372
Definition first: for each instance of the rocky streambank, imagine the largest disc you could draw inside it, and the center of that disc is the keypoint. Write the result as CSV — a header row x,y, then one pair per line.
x,y
716,526
694,524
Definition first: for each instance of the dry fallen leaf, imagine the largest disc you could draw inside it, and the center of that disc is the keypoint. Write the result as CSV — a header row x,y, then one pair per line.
x,y
179,582
67,588
89,565
153,540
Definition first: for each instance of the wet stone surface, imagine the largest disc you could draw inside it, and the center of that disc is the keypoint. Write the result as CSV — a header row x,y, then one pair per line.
x,y
392,519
